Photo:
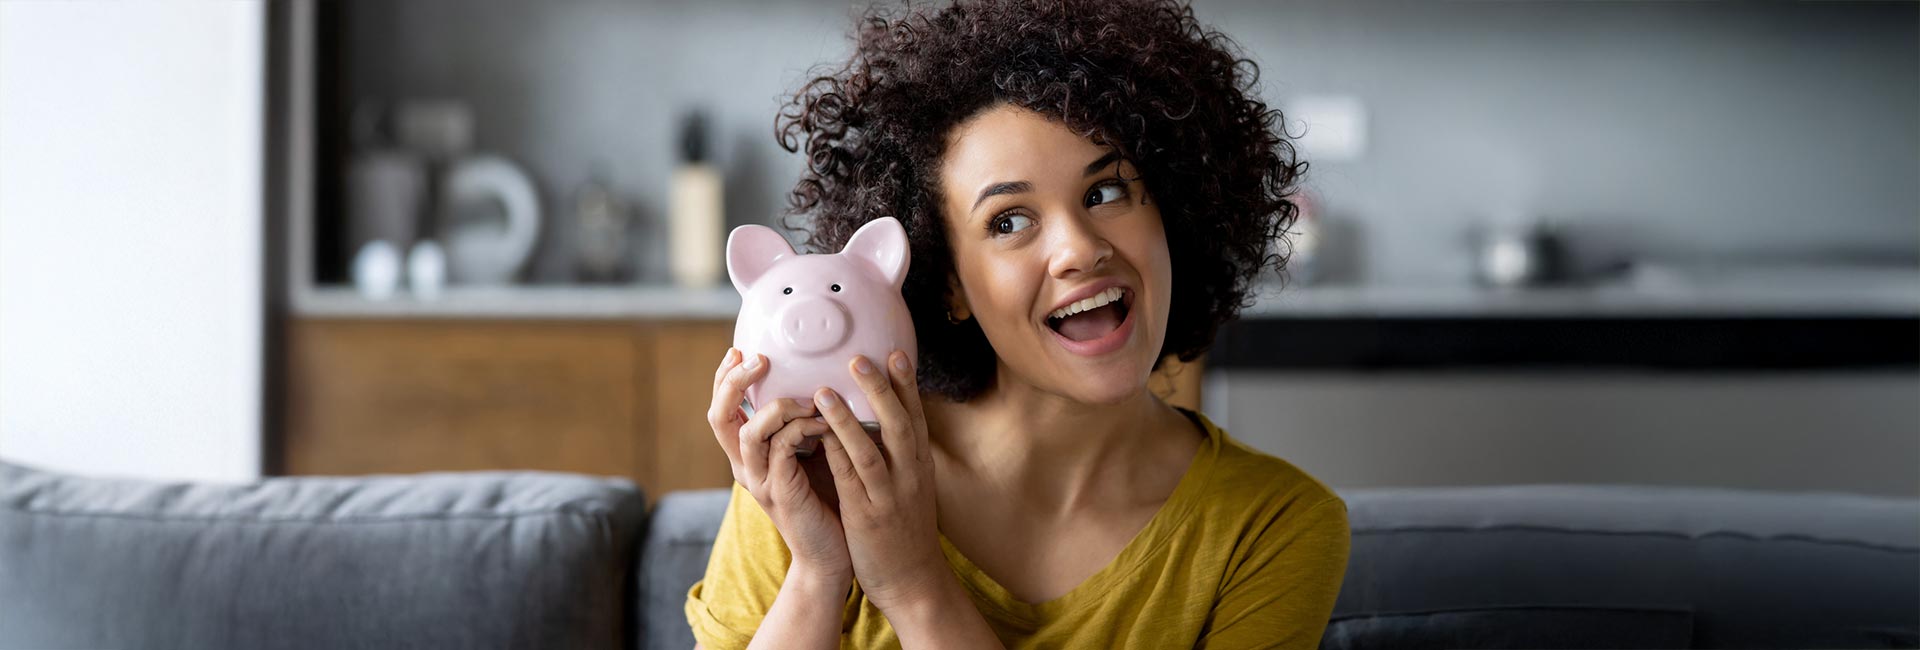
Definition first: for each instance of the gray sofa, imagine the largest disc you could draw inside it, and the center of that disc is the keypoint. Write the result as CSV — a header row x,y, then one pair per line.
x,y
544,560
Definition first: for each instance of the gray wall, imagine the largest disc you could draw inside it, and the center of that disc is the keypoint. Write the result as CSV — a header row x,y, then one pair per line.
x,y
1685,131
1690,132
1850,432
564,86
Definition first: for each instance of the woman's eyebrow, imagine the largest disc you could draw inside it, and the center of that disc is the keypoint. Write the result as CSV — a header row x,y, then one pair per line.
x,y
1016,187
1102,162
997,189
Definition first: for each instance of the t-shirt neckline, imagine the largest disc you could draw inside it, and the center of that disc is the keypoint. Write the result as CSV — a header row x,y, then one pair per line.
x,y
1144,544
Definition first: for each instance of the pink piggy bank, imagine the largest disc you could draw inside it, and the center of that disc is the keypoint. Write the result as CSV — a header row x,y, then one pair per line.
x,y
810,314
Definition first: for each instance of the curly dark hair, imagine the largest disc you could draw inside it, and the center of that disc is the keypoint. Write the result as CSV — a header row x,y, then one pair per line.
x,y
1144,78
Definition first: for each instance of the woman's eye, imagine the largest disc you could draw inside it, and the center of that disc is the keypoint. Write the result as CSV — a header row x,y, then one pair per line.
x,y
1107,192
1008,224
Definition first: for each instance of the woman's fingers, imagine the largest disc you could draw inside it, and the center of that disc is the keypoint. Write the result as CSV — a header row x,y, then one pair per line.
x,y
784,473
723,416
730,386
906,384
868,462
896,426
846,479
727,362
756,438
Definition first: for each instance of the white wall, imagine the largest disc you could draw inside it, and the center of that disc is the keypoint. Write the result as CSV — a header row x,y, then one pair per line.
x,y
130,237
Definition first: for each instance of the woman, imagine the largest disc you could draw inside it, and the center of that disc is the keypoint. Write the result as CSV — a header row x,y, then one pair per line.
x,y
1089,187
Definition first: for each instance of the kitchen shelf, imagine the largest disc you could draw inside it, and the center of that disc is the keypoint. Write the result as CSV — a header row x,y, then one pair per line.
x,y
1663,319
1649,291
1470,302
527,303
1775,293
1774,320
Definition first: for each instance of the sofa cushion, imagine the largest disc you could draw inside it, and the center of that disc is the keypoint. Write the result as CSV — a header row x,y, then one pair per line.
x,y
470,560
1513,627
679,541
1756,569
1544,566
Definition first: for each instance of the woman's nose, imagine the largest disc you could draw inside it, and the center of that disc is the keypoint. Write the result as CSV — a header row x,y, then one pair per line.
x,y
1081,248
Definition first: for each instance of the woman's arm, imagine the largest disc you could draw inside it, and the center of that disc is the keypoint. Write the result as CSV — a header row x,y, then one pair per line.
x,y
887,510
806,614
945,618
761,448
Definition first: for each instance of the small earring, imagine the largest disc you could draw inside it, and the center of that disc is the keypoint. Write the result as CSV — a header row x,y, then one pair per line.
x,y
951,320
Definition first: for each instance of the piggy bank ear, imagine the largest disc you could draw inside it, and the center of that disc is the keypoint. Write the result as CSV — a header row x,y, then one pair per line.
x,y
883,244
751,250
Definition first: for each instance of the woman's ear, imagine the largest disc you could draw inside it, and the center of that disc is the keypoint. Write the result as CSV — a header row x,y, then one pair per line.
x,y
957,308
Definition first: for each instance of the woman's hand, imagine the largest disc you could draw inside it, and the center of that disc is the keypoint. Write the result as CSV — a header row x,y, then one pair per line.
x,y
762,450
887,497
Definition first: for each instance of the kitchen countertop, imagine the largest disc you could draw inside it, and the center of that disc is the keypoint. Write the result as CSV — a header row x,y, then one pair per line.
x,y
1717,300
1647,291
527,302
1780,292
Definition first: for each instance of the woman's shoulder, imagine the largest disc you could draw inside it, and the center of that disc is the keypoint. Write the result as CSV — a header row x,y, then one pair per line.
x,y
1253,483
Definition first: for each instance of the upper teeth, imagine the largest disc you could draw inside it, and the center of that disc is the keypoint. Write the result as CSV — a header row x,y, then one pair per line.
x,y
1098,300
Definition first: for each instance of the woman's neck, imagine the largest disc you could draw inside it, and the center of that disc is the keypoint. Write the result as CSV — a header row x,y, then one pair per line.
x,y
1047,449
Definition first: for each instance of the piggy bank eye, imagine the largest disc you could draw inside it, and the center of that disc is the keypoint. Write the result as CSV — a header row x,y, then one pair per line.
x,y
836,288
788,290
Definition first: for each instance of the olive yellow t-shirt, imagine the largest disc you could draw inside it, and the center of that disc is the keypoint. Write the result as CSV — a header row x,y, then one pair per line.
x,y
1248,552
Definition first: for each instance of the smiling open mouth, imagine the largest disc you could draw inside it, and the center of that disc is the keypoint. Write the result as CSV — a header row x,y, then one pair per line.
x,y
1091,318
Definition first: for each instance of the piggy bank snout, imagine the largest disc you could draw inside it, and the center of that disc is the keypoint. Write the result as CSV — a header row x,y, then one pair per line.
x,y
812,325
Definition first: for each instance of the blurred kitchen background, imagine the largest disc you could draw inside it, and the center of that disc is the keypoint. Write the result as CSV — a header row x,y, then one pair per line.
x,y
1546,242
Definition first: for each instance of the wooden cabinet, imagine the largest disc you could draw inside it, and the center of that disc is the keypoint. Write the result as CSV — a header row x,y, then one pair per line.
x,y
686,355
617,398
612,398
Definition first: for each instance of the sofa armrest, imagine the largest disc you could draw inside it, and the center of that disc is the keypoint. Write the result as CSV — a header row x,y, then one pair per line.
x,y
480,559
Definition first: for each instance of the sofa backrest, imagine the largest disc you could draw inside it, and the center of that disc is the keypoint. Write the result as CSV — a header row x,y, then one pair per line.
x,y
467,560
1549,566
535,559
679,541
1628,567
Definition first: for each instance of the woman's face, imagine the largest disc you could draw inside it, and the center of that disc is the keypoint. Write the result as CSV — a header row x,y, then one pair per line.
x,y
1046,231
